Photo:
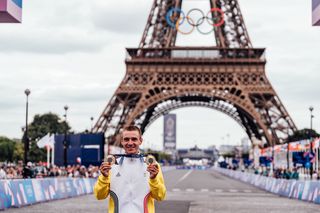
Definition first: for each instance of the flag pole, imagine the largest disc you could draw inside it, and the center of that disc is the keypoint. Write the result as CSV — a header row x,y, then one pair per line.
x,y
48,156
52,154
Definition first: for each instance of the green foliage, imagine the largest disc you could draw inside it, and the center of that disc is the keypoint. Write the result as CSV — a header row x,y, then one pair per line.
x,y
303,134
40,126
6,149
18,151
160,156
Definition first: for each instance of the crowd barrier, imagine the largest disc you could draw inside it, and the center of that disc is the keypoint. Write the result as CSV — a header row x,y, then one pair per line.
x,y
22,192
302,190
167,168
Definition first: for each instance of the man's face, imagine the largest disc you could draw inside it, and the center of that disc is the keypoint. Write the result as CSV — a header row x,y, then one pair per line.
x,y
131,140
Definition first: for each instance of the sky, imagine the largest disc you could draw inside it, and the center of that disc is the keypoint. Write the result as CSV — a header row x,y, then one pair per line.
x,y
72,53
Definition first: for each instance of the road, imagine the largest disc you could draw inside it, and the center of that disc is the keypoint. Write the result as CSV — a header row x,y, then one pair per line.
x,y
192,191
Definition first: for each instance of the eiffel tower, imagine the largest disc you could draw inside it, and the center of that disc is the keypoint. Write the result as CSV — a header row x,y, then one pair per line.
x,y
228,77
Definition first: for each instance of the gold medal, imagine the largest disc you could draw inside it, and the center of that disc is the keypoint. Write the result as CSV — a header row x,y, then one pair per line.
x,y
150,159
110,159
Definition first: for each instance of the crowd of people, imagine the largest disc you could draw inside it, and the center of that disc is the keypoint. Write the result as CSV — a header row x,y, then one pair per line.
x,y
38,170
279,173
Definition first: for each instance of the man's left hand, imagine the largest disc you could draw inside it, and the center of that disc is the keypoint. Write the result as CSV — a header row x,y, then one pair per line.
x,y
153,169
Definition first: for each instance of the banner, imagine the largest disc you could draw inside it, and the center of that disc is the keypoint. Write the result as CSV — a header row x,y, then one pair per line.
x,y
17,193
316,12
11,11
169,132
302,190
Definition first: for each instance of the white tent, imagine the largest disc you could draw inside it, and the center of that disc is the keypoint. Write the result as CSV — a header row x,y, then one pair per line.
x,y
48,142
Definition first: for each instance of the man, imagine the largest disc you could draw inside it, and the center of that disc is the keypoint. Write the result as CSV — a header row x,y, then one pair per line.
x,y
132,185
28,172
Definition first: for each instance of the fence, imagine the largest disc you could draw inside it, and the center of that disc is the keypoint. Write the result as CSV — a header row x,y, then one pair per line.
x,y
302,190
18,193
23,192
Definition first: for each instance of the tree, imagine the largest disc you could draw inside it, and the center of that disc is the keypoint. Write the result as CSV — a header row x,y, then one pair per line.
x,y
6,149
303,134
160,156
40,126
18,151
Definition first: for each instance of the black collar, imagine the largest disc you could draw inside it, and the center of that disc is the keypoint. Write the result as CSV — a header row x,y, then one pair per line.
x,y
129,155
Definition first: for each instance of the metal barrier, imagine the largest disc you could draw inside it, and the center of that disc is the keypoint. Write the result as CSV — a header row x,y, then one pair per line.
x,y
22,192
301,190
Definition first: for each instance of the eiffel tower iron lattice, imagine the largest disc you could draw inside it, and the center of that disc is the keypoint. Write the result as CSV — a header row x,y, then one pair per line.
x,y
229,77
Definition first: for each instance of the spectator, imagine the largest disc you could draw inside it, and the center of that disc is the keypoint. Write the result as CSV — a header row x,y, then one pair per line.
x,y
27,171
295,174
287,174
15,171
314,175
3,174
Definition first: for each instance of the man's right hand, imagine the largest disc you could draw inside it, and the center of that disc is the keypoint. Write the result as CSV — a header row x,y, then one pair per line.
x,y
105,168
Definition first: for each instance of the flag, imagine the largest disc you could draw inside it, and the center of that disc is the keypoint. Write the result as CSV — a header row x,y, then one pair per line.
x,y
309,156
316,12
10,11
47,140
315,143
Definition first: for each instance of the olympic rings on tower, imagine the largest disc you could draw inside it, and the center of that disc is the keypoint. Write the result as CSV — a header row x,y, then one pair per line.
x,y
175,17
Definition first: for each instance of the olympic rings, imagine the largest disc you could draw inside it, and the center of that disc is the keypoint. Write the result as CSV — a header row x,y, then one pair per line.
x,y
170,14
175,17
201,19
205,33
184,33
221,16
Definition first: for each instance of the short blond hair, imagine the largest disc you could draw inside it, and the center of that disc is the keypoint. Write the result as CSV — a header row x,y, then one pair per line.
x,y
132,128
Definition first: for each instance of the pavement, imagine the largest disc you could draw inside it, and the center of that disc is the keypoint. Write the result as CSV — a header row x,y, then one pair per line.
x,y
192,191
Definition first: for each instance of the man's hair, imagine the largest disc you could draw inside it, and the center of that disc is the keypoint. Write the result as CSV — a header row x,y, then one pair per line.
x,y
132,128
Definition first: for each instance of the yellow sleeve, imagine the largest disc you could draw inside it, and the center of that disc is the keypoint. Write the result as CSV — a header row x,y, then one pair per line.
x,y
157,187
102,187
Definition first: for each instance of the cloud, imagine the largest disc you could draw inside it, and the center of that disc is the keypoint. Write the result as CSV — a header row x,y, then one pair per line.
x,y
48,41
72,53
129,17
54,27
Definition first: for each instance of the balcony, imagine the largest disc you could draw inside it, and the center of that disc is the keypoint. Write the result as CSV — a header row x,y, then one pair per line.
x,y
195,54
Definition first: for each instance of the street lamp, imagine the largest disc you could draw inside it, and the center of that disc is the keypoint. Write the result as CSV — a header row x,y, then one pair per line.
x,y
65,143
91,123
26,139
311,116
310,144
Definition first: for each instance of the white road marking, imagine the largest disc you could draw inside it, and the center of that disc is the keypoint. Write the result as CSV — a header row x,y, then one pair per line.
x,y
176,190
233,190
190,190
185,176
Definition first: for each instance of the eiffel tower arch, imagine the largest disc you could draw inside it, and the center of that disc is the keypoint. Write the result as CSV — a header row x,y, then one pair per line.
x,y
229,77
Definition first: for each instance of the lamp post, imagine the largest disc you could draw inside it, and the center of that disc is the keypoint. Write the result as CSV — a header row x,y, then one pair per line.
x,y
65,143
91,123
311,116
310,144
26,139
